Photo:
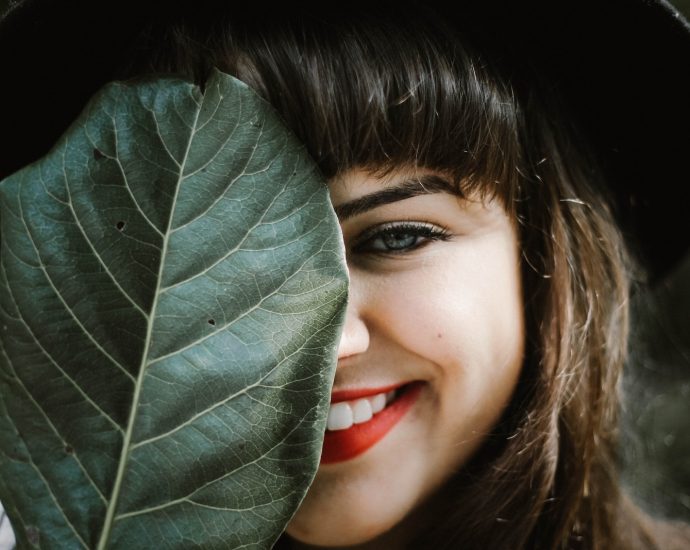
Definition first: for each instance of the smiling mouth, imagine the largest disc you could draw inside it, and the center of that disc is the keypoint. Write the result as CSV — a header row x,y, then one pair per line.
x,y
357,420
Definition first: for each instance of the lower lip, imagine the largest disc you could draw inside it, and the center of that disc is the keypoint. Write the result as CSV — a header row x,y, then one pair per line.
x,y
341,445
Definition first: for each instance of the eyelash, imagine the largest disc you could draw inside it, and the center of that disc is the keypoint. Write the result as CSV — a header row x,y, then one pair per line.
x,y
426,231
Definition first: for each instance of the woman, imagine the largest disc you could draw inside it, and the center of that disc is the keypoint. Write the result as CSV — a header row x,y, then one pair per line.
x,y
475,398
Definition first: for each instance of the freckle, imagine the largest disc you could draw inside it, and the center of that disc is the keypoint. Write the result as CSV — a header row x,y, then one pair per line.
x,y
439,335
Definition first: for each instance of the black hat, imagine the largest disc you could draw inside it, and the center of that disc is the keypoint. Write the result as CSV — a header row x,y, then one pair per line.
x,y
622,67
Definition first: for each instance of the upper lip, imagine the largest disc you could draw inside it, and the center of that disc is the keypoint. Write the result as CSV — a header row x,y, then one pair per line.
x,y
357,393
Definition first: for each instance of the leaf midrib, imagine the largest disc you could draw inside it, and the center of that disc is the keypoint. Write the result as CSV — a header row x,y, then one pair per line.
x,y
124,456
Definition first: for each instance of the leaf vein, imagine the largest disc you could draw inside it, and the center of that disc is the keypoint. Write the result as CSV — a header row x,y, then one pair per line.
x,y
209,410
52,495
225,256
124,176
234,321
162,139
187,498
49,280
231,134
110,517
50,357
51,425
91,246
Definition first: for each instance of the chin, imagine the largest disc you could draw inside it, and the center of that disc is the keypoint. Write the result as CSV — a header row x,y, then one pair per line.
x,y
347,520
367,498
322,536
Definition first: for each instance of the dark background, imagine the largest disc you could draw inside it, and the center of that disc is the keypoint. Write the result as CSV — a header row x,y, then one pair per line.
x,y
655,424
655,441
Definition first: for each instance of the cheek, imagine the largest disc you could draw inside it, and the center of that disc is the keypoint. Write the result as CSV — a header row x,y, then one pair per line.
x,y
463,317
457,311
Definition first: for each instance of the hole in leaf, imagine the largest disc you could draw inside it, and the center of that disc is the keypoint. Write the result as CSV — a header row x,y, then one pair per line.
x,y
211,321
120,225
98,155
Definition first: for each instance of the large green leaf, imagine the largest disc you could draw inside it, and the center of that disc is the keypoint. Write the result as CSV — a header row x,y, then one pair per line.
x,y
172,285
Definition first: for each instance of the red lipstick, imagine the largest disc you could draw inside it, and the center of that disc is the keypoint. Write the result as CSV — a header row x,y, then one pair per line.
x,y
341,445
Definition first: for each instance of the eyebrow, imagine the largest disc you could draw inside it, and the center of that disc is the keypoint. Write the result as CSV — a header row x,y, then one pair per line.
x,y
423,185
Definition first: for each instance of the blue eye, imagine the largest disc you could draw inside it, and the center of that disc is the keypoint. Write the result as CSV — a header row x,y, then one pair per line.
x,y
399,240
398,237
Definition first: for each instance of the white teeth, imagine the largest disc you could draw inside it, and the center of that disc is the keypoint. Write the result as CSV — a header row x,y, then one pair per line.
x,y
378,403
339,416
361,411
343,415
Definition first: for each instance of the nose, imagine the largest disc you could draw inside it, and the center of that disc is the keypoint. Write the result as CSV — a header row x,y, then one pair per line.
x,y
355,336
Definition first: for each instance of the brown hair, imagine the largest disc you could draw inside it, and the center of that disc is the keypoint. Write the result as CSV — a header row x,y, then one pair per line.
x,y
391,88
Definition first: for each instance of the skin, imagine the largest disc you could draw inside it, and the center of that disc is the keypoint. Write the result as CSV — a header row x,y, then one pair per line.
x,y
445,310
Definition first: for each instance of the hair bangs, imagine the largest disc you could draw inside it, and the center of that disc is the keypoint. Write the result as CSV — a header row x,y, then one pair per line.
x,y
381,93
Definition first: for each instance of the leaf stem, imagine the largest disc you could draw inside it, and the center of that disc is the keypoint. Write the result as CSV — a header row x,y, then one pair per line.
x,y
126,444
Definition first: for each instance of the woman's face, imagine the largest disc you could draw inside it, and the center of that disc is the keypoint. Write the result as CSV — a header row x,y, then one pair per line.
x,y
435,313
